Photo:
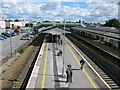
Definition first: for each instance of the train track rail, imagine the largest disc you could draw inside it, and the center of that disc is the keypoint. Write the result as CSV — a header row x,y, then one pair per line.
x,y
38,44
105,67
24,71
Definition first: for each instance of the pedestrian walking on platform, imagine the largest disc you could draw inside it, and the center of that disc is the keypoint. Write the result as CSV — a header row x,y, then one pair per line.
x,y
82,62
69,73
60,52
61,42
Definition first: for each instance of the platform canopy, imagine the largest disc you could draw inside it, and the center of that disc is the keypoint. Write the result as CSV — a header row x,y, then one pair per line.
x,y
56,31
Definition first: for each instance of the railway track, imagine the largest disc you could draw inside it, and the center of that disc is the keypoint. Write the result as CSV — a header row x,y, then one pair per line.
x,y
104,66
37,43
23,72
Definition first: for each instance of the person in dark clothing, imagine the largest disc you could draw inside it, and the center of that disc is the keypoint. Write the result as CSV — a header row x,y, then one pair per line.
x,y
69,73
61,41
82,62
60,52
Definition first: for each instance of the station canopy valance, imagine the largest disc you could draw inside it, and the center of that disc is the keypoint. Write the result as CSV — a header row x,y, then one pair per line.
x,y
56,31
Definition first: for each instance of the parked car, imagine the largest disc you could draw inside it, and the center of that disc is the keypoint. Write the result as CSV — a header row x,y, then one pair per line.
x,y
29,35
8,30
22,31
17,33
13,34
24,37
1,38
5,37
6,34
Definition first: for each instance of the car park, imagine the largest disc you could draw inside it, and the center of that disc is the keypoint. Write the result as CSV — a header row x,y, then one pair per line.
x,y
6,34
5,37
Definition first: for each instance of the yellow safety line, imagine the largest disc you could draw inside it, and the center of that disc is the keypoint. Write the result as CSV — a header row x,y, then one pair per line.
x,y
80,64
18,82
44,71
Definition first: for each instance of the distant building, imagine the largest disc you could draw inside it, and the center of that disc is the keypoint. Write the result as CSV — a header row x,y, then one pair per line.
x,y
34,23
9,24
24,22
2,24
14,23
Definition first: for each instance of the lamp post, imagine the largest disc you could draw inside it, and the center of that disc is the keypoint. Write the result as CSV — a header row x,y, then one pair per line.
x,y
119,10
11,46
63,52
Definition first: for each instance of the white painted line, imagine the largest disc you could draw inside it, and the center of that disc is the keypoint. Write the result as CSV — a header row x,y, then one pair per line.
x,y
89,65
0,65
65,85
35,69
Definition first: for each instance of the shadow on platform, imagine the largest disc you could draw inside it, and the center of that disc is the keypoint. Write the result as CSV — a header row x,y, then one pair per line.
x,y
60,81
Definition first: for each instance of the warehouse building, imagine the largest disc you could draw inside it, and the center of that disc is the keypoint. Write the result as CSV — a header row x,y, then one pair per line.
x,y
2,24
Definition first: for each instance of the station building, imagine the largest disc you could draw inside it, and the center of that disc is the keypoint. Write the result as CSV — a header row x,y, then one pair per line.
x,y
2,24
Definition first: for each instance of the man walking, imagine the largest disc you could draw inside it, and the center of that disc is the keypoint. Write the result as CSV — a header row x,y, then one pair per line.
x,y
69,73
61,42
82,62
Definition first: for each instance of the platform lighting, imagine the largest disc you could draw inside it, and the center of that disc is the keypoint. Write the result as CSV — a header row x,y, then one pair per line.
x,y
11,45
63,52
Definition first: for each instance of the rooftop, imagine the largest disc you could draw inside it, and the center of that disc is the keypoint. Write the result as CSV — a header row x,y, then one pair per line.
x,y
56,31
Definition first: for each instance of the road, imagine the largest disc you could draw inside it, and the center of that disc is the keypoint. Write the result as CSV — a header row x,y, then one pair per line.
x,y
15,43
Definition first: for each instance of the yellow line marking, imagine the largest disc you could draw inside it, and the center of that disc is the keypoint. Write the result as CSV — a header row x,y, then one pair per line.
x,y
80,64
18,82
44,71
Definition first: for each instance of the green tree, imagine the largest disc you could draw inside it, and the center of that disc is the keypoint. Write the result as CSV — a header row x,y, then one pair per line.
x,y
10,20
16,20
16,30
31,25
46,21
112,23
38,23
18,27
27,25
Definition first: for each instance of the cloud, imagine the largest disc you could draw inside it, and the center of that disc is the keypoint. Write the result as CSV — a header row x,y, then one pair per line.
x,y
94,12
101,11
16,1
49,6
6,5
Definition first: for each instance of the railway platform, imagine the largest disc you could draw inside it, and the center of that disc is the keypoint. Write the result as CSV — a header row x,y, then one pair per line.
x,y
50,69
106,47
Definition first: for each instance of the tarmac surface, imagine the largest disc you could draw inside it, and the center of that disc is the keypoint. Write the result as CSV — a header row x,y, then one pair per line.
x,y
7,46
47,72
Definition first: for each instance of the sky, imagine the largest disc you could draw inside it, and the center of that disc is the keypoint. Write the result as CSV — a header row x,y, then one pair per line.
x,y
92,11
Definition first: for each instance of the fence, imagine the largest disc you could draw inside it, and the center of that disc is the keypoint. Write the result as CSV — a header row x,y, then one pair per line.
x,y
24,45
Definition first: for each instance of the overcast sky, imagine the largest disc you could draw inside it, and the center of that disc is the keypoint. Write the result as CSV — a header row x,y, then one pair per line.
x,y
70,10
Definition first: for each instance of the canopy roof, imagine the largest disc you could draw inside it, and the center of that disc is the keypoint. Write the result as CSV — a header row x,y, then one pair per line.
x,y
56,31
